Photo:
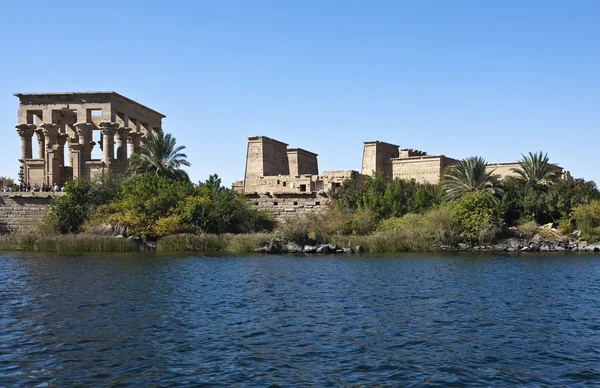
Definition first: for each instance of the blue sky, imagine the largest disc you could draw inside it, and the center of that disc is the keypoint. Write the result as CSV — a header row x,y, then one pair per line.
x,y
460,78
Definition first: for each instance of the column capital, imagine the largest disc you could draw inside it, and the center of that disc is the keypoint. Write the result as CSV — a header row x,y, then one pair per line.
x,y
83,129
61,139
123,131
134,136
48,128
25,130
83,126
108,128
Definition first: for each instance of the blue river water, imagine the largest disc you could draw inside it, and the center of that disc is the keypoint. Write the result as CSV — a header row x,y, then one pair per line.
x,y
299,321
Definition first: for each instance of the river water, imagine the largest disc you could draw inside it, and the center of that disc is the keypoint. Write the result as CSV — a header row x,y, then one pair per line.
x,y
299,321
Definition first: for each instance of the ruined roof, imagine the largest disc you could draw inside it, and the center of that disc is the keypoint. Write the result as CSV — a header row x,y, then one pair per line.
x,y
302,150
380,142
266,138
107,93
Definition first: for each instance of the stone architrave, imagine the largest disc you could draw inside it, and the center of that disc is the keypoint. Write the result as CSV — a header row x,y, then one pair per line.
x,y
25,131
108,141
122,134
41,143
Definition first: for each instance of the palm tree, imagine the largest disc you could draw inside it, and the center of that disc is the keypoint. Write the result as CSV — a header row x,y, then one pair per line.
x,y
536,169
158,155
467,176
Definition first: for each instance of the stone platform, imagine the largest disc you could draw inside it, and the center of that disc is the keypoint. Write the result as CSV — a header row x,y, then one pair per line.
x,y
20,211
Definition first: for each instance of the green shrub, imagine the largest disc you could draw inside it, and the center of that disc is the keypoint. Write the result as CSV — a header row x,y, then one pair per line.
x,y
165,226
479,217
69,211
295,229
424,232
217,209
363,222
528,229
587,218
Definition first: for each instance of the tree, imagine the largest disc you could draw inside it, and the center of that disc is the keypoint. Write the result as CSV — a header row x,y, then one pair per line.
x,y
468,176
159,155
545,203
536,169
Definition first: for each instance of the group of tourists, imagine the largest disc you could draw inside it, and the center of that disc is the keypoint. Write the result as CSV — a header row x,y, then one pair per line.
x,y
27,188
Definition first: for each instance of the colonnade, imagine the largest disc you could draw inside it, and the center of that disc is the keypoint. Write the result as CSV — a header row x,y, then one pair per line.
x,y
51,144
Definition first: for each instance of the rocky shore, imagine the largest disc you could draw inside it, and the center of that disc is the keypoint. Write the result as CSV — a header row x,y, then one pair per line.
x,y
511,245
277,246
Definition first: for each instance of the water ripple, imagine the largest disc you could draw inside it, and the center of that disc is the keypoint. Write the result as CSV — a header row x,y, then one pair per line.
x,y
295,321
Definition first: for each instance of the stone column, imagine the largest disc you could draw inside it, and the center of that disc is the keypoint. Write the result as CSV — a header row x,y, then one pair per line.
x,y
75,162
134,142
84,131
61,139
41,143
26,132
122,134
108,141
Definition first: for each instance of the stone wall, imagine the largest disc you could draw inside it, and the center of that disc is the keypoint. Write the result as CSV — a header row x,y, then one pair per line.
x,y
503,170
19,211
289,205
424,169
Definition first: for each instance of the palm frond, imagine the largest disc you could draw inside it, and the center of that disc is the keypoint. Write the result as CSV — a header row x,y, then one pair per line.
x,y
535,168
159,155
469,175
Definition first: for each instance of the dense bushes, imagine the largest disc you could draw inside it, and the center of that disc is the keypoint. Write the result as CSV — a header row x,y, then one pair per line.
x,y
387,198
322,226
424,232
70,211
545,203
154,206
478,216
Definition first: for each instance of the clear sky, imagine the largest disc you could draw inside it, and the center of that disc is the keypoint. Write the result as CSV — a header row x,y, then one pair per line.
x,y
460,78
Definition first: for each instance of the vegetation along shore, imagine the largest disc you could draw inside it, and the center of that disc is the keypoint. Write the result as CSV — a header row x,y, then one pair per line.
x,y
155,206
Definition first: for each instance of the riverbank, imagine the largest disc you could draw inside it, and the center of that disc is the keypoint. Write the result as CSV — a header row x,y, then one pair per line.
x,y
269,243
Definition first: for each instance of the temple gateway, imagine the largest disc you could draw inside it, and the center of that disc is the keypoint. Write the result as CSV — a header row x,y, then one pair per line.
x,y
75,119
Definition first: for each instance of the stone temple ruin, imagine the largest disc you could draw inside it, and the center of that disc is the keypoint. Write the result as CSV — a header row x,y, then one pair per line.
x,y
287,180
277,178
72,120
